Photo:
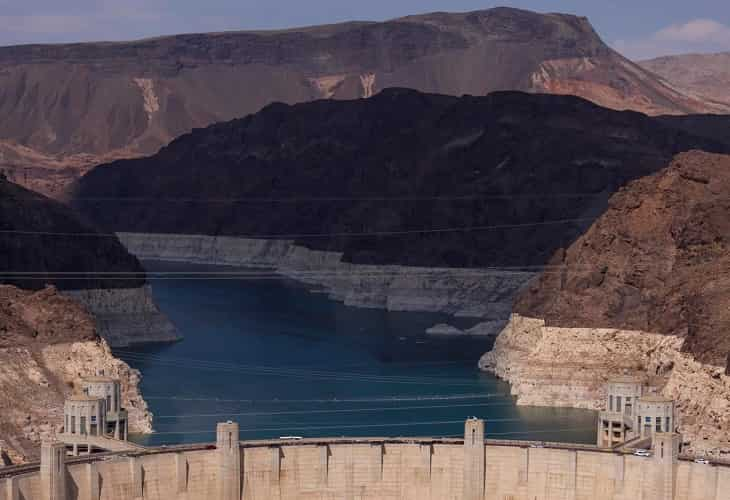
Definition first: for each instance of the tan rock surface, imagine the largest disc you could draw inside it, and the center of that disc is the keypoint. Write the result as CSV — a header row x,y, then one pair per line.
x,y
569,367
699,74
47,342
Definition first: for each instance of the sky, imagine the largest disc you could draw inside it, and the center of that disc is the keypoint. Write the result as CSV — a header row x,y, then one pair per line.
x,y
639,29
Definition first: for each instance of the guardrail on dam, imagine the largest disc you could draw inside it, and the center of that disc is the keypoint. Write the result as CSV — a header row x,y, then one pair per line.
x,y
374,468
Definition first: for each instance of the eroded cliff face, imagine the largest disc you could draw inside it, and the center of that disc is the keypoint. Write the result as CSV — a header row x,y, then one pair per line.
x,y
47,343
569,367
126,316
645,291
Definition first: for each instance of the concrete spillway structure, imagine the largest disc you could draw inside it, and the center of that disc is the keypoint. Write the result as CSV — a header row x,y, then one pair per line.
x,y
375,468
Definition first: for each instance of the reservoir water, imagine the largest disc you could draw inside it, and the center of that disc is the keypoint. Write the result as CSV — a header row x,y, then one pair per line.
x,y
281,360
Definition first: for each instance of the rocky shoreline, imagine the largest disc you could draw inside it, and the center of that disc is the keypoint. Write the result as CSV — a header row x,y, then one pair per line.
x,y
35,381
126,316
477,293
569,367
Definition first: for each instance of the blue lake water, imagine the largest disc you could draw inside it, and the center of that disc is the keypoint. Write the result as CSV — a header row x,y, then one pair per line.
x,y
280,360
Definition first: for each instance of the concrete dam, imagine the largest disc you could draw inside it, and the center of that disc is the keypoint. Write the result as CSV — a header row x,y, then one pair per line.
x,y
471,468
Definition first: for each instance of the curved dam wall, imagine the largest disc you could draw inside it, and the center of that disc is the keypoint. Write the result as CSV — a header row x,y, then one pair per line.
x,y
358,469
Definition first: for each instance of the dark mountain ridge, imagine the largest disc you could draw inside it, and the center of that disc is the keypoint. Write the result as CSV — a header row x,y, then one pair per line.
x,y
69,107
435,31
403,177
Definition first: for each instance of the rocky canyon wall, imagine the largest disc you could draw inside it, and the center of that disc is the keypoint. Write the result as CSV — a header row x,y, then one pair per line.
x,y
569,367
478,293
48,343
126,316
646,290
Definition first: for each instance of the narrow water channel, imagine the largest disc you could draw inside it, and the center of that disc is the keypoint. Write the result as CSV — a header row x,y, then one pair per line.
x,y
281,360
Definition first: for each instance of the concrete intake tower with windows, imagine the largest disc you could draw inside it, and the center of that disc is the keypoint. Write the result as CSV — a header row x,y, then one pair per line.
x,y
634,412
94,418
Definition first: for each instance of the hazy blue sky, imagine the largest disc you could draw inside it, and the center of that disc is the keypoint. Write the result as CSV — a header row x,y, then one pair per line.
x,y
639,28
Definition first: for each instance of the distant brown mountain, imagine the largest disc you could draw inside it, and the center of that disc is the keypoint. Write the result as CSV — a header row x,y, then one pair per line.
x,y
705,75
67,107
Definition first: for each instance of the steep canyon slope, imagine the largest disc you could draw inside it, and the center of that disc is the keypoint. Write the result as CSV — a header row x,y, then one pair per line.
x,y
402,178
68,107
657,260
645,290
47,342
44,242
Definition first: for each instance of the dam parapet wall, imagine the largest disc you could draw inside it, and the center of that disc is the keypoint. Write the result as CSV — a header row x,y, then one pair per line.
x,y
375,468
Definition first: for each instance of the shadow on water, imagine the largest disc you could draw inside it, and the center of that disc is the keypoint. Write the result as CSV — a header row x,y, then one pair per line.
x,y
281,360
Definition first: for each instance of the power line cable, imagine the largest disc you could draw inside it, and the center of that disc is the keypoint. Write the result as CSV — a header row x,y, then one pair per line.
x,y
334,426
329,199
339,410
336,400
475,272
385,425
464,229
266,369
291,373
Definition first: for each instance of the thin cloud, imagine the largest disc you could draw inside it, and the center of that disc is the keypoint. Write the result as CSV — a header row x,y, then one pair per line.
x,y
53,24
696,35
102,20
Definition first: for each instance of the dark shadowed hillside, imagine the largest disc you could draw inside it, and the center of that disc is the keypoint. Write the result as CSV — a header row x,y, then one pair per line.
x,y
715,127
68,107
391,167
42,241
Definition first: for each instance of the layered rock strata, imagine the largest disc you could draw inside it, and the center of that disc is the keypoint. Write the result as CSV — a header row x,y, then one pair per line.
x,y
462,292
127,316
569,367
47,344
